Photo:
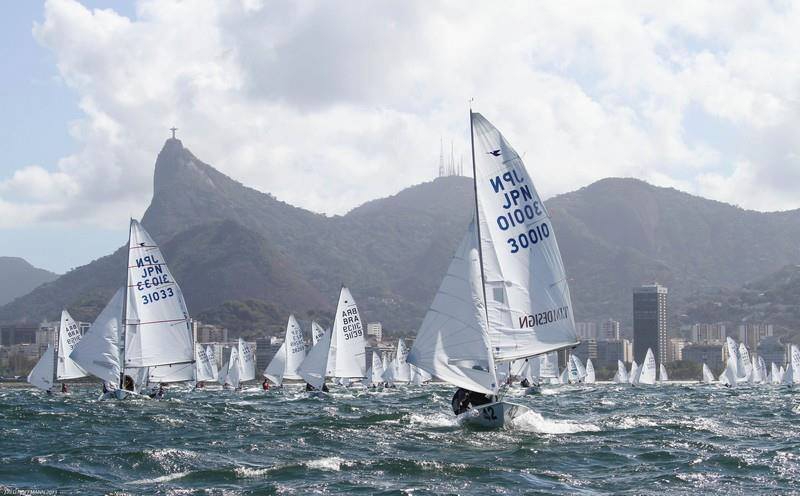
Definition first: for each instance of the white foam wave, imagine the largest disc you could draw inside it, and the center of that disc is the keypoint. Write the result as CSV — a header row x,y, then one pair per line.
x,y
163,478
433,420
251,473
536,422
332,463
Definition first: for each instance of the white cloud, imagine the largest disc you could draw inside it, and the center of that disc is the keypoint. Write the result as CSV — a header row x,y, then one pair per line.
x,y
330,104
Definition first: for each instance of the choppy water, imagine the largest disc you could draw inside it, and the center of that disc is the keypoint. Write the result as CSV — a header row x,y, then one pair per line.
x,y
674,439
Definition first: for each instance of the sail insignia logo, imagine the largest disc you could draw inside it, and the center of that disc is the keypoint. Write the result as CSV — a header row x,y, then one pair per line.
x,y
495,153
544,318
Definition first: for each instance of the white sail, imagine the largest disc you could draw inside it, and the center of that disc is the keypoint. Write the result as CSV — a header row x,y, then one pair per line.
x,y
158,331
762,367
246,355
733,356
634,372
755,376
708,377
590,377
205,367
775,374
42,374
622,374
580,368
782,372
402,371
564,377
662,373
549,365
313,368
350,361
792,373
234,369
572,370
533,368
212,359
728,376
375,374
290,356
647,372
139,376
98,351
452,343
177,372
316,332
222,377
528,300
68,336
744,364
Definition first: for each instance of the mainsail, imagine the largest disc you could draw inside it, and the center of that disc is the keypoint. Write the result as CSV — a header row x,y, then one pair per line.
x,y
158,330
69,334
350,360
590,377
375,374
316,332
662,373
708,377
42,374
733,356
647,372
176,372
634,372
205,363
98,352
744,364
290,356
622,374
234,369
402,369
527,296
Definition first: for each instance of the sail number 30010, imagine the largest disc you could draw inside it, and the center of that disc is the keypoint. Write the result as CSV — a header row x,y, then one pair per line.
x,y
529,238
162,294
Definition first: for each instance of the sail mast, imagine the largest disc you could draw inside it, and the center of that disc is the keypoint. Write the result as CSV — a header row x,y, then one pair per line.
x,y
125,311
477,218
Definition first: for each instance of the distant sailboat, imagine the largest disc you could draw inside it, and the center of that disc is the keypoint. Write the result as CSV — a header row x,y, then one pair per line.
x,y
647,372
708,377
662,373
622,374
399,369
146,324
206,364
792,374
287,360
375,372
577,372
590,377
233,377
775,374
505,295
634,371
63,367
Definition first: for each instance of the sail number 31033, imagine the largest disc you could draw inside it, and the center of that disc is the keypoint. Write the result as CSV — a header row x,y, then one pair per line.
x,y
161,294
529,238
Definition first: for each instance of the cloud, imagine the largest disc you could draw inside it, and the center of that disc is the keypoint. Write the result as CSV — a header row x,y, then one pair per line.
x,y
328,105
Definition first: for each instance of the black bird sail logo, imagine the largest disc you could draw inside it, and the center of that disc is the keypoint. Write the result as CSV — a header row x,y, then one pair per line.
x,y
496,153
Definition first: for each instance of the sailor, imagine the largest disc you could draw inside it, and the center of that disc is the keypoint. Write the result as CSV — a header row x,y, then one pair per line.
x,y
200,385
105,387
49,392
265,385
64,387
464,399
160,393
525,383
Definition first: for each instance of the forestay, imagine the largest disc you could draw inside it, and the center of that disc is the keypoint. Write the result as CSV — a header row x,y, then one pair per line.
x,y
158,331
42,374
528,299
98,351
69,334
350,361
452,343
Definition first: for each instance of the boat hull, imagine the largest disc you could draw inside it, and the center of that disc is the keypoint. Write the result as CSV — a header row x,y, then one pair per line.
x,y
492,415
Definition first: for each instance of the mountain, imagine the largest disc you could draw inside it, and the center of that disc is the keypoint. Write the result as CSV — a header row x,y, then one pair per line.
x,y
246,259
18,277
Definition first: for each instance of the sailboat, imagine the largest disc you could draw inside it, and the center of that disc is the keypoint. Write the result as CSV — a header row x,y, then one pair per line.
x,y
662,373
289,356
633,372
590,377
707,377
60,367
505,295
232,377
339,353
375,372
775,374
146,323
745,366
419,376
564,377
646,374
576,370
206,362
548,367
399,370
621,376
792,374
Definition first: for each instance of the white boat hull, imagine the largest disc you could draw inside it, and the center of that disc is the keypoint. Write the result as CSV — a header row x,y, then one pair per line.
x,y
492,415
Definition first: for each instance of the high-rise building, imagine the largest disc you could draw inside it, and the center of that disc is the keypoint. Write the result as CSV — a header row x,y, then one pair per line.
x,y
609,330
586,330
772,350
710,354
751,334
650,322
209,333
608,352
708,333
375,329
587,349
676,346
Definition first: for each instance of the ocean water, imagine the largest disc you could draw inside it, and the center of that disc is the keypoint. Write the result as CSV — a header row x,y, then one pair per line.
x,y
600,439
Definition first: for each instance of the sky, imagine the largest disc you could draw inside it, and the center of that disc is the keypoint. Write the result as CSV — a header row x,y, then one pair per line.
x,y
331,104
